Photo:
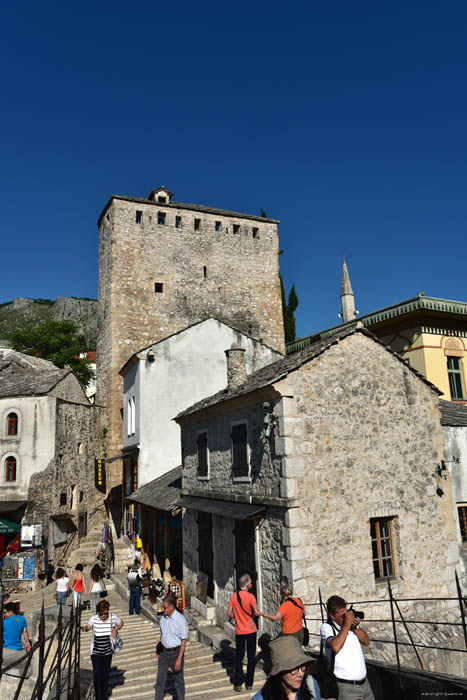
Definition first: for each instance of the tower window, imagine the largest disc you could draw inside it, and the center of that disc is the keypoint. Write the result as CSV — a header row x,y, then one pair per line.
x,y
236,228
158,287
12,424
218,225
462,512
205,271
63,499
456,384
10,469
255,233
178,222
203,454
161,218
197,224
240,463
382,547
161,200
139,216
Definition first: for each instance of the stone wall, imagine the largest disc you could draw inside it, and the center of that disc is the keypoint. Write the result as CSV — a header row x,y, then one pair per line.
x,y
205,272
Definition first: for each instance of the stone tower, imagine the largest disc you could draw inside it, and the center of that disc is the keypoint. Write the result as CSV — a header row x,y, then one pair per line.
x,y
165,265
348,312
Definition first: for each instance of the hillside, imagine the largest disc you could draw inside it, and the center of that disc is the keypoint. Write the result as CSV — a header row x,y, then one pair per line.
x,y
83,312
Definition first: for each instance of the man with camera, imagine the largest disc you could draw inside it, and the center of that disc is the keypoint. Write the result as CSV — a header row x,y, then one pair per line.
x,y
342,637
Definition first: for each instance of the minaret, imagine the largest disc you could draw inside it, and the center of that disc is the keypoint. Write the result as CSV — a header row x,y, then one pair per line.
x,y
347,296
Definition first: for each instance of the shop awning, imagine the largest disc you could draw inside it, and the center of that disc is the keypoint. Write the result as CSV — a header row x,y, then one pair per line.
x,y
8,528
229,509
62,516
162,493
7,506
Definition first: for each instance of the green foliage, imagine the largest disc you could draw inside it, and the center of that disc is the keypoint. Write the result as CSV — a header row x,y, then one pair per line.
x,y
263,213
288,311
57,341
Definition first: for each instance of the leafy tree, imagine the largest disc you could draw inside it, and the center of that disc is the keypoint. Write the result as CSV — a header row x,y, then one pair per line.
x,y
263,213
288,311
57,341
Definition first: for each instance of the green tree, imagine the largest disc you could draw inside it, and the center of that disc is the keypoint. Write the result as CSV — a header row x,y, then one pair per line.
x,y
263,213
288,311
57,341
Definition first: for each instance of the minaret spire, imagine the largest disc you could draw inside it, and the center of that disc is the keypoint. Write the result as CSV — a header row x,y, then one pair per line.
x,y
347,295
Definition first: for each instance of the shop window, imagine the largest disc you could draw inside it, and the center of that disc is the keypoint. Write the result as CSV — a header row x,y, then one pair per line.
x,y
462,513
382,543
12,424
139,216
10,469
456,384
203,454
239,436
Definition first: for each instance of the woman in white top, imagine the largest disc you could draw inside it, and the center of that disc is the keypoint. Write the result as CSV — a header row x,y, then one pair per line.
x,y
63,586
104,625
96,585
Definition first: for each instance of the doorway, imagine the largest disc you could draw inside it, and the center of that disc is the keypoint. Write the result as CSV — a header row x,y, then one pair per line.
x,y
245,559
205,550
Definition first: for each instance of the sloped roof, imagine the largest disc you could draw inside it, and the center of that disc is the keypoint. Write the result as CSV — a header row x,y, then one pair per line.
x,y
27,361
18,379
162,493
281,368
453,414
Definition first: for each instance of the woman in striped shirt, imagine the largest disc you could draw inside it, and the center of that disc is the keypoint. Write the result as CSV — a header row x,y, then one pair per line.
x,y
104,625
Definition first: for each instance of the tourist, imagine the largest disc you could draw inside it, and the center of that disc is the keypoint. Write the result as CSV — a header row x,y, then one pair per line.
x,y
171,649
243,608
104,625
15,629
78,584
134,583
63,586
96,586
288,679
342,637
290,614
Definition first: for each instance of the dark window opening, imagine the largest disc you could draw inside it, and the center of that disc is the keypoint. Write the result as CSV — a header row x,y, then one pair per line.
x,y
202,443
382,547
456,384
162,200
81,496
205,551
161,218
236,228
178,221
462,512
12,424
10,469
205,271
255,233
197,224
158,287
240,465
139,216
63,499
218,225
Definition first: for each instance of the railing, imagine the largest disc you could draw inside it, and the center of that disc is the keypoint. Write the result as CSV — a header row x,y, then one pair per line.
x,y
397,619
58,652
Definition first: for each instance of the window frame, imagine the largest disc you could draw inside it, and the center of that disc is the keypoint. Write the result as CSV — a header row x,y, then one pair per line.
x,y
161,218
203,477
462,521
389,519
128,417
245,478
453,374
10,420
10,457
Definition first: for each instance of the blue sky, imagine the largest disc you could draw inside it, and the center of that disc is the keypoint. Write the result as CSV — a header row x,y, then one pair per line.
x,y
345,120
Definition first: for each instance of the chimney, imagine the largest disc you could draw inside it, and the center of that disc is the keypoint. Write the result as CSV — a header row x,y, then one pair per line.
x,y
236,368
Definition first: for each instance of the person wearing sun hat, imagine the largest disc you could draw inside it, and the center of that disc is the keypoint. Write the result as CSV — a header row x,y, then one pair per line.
x,y
288,679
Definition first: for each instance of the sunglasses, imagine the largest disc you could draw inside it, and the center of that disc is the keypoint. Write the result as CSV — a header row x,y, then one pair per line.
x,y
106,614
296,671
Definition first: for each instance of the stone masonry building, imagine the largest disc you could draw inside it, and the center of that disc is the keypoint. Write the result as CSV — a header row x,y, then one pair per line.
x,y
322,475
164,265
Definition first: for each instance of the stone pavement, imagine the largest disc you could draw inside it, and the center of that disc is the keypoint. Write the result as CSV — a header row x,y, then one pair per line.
x,y
208,674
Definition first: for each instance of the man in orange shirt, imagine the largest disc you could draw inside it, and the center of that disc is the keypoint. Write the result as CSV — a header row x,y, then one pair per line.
x,y
243,608
290,614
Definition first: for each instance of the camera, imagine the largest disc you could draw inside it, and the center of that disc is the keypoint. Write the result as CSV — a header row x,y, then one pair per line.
x,y
357,613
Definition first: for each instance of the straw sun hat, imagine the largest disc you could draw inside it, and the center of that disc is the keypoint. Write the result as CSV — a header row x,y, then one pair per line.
x,y
287,654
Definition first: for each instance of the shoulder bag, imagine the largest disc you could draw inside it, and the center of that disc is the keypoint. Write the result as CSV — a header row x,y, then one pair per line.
x,y
306,634
115,642
323,671
246,613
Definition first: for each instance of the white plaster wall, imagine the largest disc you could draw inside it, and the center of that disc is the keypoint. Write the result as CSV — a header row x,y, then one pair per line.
x,y
455,445
188,367
34,447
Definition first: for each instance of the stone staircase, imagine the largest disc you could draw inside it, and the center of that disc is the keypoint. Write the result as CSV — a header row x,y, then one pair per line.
x,y
208,674
86,551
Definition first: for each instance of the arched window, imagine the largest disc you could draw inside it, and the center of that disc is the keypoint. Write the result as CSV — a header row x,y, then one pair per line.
x,y
12,424
10,469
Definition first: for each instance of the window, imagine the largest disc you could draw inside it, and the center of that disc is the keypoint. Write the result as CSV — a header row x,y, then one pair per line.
x,y
139,216
255,233
205,271
218,225
133,416
129,419
80,448
81,496
203,454
383,547
161,218
12,424
63,499
197,224
161,200
10,469
456,384
178,222
239,435
236,228
462,513
158,287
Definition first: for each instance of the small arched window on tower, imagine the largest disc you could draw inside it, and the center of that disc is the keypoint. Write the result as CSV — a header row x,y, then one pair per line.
x,y
10,469
12,424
